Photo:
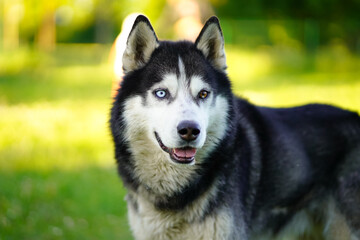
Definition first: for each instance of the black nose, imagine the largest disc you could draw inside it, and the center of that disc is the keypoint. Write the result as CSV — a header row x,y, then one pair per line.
x,y
188,130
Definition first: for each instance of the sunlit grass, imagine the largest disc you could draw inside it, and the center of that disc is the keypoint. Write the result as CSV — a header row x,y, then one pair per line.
x,y
58,176
61,135
57,171
85,203
57,118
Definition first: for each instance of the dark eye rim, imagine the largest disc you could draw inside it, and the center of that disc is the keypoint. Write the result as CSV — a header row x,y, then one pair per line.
x,y
161,89
202,91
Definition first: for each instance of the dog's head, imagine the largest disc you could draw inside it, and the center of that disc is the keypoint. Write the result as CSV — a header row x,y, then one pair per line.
x,y
175,94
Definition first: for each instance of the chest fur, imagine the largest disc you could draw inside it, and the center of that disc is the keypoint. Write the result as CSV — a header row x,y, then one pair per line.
x,y
149,223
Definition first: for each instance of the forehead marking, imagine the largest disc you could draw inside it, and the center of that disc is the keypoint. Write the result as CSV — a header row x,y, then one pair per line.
x,y
182,73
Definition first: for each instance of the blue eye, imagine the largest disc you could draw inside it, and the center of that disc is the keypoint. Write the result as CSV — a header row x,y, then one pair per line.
x,y
160,93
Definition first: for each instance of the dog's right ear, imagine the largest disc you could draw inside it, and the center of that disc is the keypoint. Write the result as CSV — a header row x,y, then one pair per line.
x,y
141,43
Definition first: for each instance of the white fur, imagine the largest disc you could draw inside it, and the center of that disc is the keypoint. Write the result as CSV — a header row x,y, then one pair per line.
x,y
149,223
158,173
153,166
165,117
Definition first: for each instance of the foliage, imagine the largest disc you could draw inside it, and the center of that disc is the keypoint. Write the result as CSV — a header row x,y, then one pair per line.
x,y
315,9
79,21
312,23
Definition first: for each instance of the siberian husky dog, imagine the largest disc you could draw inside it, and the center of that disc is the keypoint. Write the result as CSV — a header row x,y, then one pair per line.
x,y
200,163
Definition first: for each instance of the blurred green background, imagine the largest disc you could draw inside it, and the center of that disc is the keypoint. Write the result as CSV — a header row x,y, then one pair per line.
x,y
58,177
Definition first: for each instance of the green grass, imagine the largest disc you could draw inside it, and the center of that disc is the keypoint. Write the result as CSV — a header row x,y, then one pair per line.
x,y
58,177
84,203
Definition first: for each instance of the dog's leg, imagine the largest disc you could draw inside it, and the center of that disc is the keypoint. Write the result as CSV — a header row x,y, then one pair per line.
x,y
347,194
348,197
344,209
336,227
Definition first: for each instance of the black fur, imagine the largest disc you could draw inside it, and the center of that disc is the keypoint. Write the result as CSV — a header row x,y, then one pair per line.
x,y
270,158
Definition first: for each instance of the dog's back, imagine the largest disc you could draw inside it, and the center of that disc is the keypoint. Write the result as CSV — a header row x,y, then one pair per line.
x,y
321,146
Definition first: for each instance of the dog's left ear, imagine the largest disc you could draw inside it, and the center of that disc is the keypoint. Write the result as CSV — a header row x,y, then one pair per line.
x,y
141,43
211,43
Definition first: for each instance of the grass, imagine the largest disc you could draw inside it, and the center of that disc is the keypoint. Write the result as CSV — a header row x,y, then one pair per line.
x,y
58,178
84,203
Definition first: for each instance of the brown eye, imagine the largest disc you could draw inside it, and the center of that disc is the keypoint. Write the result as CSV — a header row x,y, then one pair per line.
x,y
203,94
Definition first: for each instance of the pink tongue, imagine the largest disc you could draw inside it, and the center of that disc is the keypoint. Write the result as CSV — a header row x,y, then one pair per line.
x,y
185,152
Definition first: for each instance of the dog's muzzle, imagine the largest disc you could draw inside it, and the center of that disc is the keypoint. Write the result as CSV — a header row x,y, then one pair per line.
x,y
184,155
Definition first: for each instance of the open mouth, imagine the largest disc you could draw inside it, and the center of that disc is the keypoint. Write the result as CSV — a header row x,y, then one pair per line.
x,y
185,155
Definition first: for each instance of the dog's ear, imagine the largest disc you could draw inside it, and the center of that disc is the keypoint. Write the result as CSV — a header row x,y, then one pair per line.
x,y
141,43
211,43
